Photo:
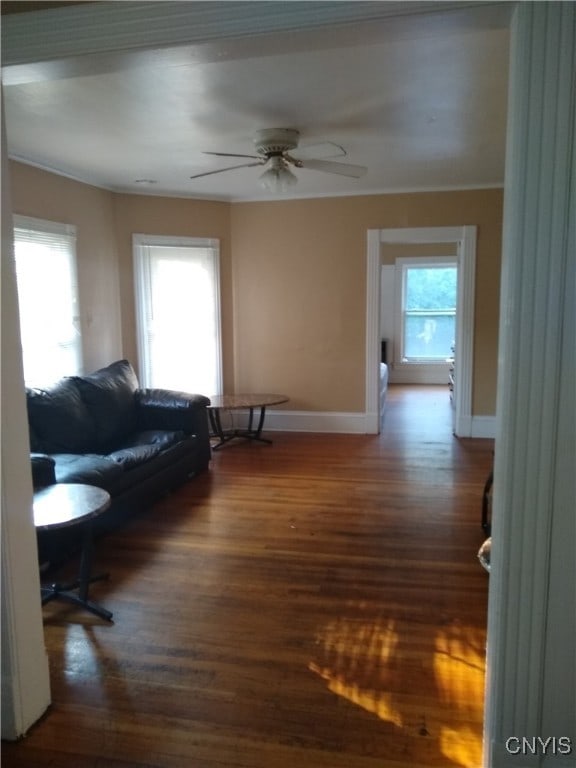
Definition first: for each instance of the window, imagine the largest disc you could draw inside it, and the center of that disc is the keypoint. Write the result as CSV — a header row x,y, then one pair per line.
x,y
178,313
428,309
45,253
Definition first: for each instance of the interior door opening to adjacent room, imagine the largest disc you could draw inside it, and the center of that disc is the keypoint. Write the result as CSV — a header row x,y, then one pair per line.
x,y
464,241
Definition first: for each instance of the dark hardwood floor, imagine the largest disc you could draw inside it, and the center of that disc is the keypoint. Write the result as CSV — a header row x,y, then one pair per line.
x,y
314,603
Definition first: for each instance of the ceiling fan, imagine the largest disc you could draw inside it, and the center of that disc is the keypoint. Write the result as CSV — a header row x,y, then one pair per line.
x,y
274,147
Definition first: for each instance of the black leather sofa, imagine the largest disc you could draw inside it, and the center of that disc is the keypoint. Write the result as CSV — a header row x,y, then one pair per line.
x,y
104,430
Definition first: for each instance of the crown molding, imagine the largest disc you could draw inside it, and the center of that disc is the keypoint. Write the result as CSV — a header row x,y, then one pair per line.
x,y
259,198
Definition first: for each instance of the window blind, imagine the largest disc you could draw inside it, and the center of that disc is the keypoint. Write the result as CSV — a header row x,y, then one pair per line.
x,y
45,255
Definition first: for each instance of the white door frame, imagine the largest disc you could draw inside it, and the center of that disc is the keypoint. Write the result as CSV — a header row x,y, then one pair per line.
x,y
465,239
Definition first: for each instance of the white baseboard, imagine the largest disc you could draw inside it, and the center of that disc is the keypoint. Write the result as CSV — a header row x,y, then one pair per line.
x,y
483,426
418,374
315,421
350,423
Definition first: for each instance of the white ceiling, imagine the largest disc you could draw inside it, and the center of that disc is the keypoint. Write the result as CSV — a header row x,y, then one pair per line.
x,y
418,98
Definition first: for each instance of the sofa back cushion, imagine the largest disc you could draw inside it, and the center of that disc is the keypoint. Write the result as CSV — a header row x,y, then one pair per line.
x,y
59,419
109,396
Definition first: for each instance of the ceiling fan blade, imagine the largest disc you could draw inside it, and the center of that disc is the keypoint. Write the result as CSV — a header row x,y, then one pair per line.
x,y
342,169
230,154
230,168
319,150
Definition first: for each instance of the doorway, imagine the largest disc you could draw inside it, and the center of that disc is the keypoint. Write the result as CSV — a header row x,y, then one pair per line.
x,y
464,238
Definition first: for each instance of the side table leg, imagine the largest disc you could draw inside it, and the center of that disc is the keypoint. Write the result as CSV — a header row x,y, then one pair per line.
x,y
85,562
64,592
85,577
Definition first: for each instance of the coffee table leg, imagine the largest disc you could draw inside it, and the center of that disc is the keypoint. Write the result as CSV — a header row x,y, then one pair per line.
x,y
248,434
261,424
255,434
216,426
250,420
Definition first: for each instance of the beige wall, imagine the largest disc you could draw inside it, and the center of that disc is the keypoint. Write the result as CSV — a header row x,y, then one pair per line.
x,y
299,291
56,198
178,217
293,278
299,297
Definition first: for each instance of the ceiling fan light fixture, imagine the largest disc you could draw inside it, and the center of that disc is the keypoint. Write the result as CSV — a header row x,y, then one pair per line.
x,y
273,147
278,178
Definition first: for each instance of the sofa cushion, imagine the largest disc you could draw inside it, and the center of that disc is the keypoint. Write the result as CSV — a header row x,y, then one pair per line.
x,y
143,446
128,458
91,469
109,397
185,450
59,419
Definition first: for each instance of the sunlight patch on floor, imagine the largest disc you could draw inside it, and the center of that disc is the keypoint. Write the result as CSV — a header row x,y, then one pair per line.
x,y
459,664
355,652
371,664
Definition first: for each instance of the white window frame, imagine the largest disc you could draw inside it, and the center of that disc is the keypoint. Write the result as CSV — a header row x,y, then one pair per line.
x,y
139,244
51,231
402,265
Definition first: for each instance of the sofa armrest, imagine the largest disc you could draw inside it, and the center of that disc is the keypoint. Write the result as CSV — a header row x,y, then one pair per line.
x,y
173,410
43,472
169,409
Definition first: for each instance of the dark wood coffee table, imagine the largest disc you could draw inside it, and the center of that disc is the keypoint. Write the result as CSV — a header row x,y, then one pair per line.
x,y
63,505
220,403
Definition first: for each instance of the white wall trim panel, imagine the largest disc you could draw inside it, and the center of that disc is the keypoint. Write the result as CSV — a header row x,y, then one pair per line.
x,y
25,691
532,601
464,359
372,357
